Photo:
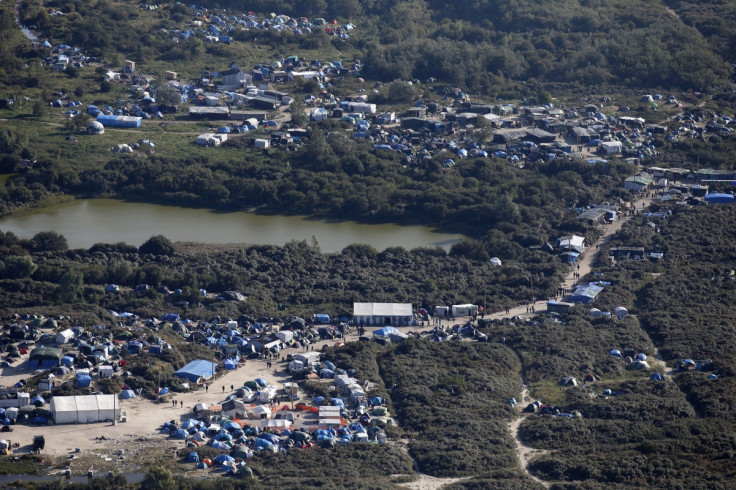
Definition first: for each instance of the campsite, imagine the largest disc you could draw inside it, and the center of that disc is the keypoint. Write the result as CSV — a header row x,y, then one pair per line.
x,y
578,334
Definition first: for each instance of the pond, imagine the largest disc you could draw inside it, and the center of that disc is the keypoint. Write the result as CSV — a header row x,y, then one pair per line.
x,y
85,222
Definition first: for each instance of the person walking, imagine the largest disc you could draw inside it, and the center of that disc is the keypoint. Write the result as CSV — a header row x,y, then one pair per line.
x,y
182,403
223,389
207,388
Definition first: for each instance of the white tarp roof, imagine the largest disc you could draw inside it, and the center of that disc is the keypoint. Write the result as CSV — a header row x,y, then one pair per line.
x,y
572,241
382,309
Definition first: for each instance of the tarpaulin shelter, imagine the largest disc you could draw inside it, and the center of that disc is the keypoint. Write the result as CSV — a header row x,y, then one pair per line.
x,y
385,331
44,358
586,293
196,370
719,198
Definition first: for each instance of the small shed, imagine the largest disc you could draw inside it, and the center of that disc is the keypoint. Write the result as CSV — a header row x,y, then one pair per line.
x,y
105,371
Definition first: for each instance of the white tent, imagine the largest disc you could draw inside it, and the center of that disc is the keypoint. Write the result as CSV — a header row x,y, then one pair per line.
x,y
108,408
84,409
64,409
87,409
64,336
260,410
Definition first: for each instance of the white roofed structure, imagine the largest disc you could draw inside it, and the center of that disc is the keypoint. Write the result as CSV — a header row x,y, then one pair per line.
x,y
395,314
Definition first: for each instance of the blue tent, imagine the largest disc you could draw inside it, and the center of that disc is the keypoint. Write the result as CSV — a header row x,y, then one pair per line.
x,y
229,364
272,438
263,444
38,401
385,331
337,402
322,318
83,381
656,377
261,382
193,457
180,434
223,436
171,317
134,347
125,394
319,400
67,361
615,352
196,370
223,458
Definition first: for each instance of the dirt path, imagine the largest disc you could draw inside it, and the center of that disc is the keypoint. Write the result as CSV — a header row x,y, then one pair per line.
x,y
590,256
524,452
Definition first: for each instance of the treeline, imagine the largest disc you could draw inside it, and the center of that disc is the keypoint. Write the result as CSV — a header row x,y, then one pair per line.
x,y
484,46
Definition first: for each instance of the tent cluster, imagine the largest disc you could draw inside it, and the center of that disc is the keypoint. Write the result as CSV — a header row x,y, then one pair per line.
x,y
706,365
631,358
542,409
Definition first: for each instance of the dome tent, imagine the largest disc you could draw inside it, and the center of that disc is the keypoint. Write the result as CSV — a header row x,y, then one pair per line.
x,y
95,127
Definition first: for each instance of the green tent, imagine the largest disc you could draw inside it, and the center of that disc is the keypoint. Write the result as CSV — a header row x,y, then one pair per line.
x,y
379,411
252,385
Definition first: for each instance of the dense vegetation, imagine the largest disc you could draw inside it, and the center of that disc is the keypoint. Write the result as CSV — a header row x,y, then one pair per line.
x,y
296,275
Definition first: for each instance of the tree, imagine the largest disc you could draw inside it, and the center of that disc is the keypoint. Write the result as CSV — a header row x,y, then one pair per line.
x,y
168,95
400,91
298,112
18,266
49,241
157,245
484,129
71,286
158,478
38,107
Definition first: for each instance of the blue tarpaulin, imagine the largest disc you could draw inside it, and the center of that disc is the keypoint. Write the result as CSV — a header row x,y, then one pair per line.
x,y
719,198
586,293
385,331
322,318
196,370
